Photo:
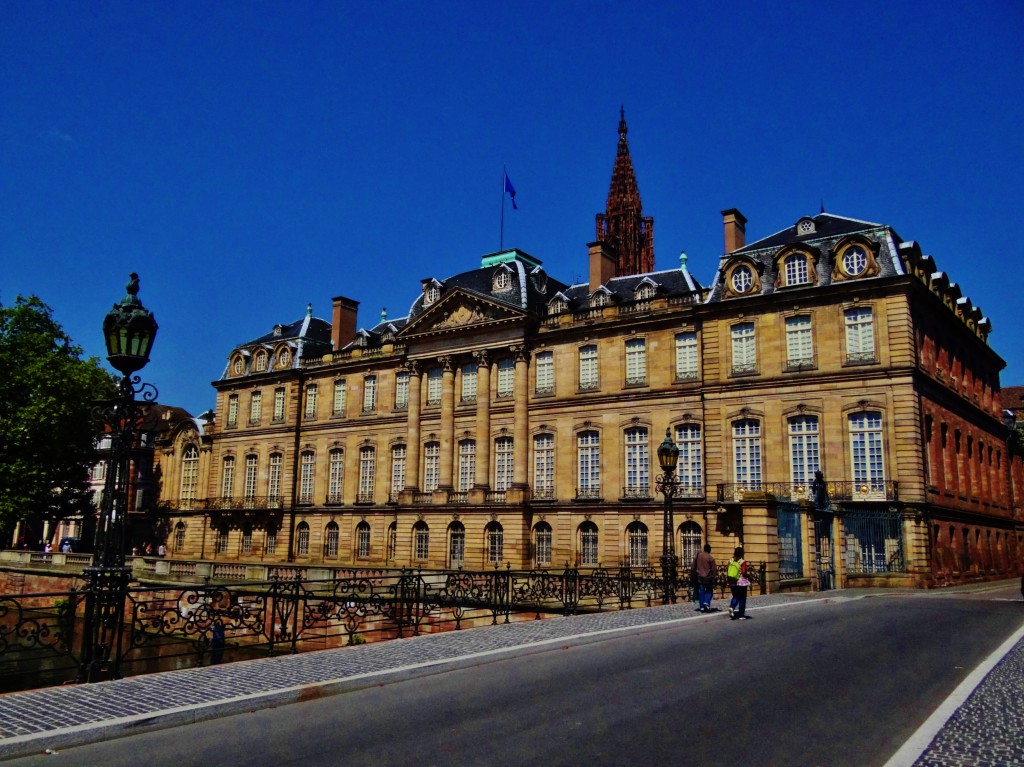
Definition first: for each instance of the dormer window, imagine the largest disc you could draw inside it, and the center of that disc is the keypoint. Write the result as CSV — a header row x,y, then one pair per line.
x,y
600,298
540,279
502,280
855,260
285,358
278,330
557,305
805,226
260,361
644,291
742,278
795,269
431,294
238,366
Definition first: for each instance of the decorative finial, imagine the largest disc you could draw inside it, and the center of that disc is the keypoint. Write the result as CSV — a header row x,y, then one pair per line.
x,y
622,123
309,310
683,258
383,313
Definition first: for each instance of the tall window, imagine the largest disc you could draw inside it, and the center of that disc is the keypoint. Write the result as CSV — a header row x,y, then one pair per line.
x,y
336,476
307,467
274,478
179,537
588,367
636,361
746,443
686,356
431,466
467,465
636,533
370,394
692,540
392,544
638,463
542,544
495,541
588,463
255,407
503,463
867,452
799,347
260,363
232,410
363,540
804,455
331,540
278,404
690,469
397,471
340,398
271,545
456,545
367,473
469,383
311,394
421,540
544,363
402,390
506,377
434,386
796,269
221,544
860,334
227,477
588,544
744,348
189,473
251,473
544,466
302,540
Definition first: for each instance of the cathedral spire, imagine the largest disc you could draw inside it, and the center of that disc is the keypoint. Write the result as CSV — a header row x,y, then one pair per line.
x,y
623,226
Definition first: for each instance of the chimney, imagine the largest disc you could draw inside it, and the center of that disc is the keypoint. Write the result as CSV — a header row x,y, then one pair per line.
x,y
602,264
343,321
735,229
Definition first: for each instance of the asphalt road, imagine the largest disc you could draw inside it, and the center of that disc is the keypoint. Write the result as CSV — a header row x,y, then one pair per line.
x,y
835,683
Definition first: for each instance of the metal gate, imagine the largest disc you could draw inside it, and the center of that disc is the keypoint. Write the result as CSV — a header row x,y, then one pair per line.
x,y
824,549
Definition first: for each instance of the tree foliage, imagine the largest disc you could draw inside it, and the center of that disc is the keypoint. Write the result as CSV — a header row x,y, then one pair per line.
x,y
47,427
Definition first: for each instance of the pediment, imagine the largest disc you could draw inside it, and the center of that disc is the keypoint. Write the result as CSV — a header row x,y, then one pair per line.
x,y
460,310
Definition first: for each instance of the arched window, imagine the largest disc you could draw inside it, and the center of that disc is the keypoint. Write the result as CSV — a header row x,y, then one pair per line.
x,y
692,542
331,540
636,535
588,544
302,540
179,537
494,541
189,473
421,540
456,545
795,268
542,544
363,540
260,361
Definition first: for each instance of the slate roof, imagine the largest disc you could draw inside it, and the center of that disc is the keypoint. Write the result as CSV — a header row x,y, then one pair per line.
x,y
829,230
672,282
1012,398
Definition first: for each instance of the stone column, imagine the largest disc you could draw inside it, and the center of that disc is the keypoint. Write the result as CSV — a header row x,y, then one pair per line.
x,y
521,431
447,422
483,421
412,438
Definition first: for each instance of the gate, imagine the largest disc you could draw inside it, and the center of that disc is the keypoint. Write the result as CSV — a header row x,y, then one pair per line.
x,y
824,548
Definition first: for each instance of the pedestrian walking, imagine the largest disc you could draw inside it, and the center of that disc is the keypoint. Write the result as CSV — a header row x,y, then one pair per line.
x,y
704,570
738,583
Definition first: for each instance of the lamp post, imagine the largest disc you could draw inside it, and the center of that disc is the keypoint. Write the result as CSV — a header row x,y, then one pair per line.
x,y
128,330
668,457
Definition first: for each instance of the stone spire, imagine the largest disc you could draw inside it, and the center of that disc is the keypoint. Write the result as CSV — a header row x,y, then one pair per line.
x,y
623,226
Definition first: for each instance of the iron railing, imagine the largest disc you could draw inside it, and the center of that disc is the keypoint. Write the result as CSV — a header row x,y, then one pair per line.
x,y
845,490
43,638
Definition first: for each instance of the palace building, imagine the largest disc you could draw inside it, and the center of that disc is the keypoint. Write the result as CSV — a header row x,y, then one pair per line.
x,y
833,395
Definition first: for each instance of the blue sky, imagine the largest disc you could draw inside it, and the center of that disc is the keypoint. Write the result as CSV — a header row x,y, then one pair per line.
x,y
247,159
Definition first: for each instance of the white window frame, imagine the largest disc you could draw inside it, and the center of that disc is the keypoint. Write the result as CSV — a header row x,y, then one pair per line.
x,y
189,473
636,362
227,477
311,401
336,476
804,449
434,376
340,398
744,348
279,404
398,464
402,390
799,340
467,465
588,464
367,473
370,394
307,474
867,453
687,357
690,468
255,407
431,466
544,465
506,377
469,379
859,323
638,462
504,460
747,456
544,363
589,370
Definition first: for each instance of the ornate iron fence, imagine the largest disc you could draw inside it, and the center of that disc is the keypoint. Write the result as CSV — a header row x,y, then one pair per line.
x,y
43,639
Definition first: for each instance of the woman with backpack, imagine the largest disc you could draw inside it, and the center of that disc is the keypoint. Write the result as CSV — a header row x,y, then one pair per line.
x,y
738,582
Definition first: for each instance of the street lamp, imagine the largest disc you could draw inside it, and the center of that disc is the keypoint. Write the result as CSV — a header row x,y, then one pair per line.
x,y
128,330
668,457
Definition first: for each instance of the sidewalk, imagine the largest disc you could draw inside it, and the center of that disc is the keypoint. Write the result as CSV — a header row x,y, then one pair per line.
x,y
61,717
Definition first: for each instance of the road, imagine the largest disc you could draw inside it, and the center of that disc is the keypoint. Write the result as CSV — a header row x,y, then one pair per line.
x,y
842,682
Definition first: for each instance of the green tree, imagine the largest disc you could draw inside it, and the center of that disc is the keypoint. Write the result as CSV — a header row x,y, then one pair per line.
x,y
47,427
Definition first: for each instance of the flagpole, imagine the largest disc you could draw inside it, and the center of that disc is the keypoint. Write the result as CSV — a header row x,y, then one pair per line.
x,y
501,238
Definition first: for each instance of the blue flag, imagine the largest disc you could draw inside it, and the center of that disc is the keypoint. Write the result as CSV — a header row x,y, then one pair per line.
x,y
511,191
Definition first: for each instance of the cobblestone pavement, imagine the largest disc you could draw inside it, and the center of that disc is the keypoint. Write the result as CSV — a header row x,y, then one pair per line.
x,y
60,717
